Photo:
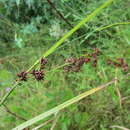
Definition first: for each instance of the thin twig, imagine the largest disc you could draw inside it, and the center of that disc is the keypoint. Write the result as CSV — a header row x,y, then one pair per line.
x,y
13,114
58,12
8,93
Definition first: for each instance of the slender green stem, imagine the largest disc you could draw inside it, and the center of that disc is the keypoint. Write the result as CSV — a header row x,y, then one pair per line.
x,y
58,67
111,25
13,113
103,28
8,93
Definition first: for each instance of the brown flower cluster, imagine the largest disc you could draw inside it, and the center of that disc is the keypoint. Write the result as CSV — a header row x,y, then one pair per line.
x,y
22,76
94,56
75,64
38,74
119,63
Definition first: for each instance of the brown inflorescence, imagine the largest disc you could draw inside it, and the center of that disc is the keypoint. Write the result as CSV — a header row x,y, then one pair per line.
x,y
72,62
119,63
43,62
76,63
38,74
94,56
94,63
22,76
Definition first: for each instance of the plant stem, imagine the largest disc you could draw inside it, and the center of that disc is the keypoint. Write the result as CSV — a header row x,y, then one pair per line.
x,y
111,25
8,93
13,114
58,12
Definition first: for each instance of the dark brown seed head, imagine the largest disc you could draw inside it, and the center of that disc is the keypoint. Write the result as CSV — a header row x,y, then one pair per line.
x,y
22,76
80,61
38,74
94,55
43,61
94,63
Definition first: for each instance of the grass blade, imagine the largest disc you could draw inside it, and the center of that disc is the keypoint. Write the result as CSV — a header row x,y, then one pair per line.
x,y
61,106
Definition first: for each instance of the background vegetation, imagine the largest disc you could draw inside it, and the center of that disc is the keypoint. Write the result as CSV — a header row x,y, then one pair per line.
x,y
28,28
